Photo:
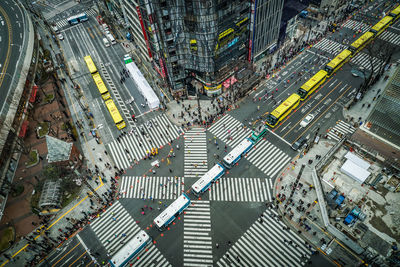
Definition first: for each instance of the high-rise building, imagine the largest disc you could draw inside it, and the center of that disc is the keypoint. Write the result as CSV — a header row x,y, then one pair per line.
x,y
202,40
266,22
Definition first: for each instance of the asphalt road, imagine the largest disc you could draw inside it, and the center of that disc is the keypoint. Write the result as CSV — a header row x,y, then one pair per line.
x,y
231,210
12,31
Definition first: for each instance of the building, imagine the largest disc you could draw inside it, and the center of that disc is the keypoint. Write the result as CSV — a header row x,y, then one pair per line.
x,y
202,42
62,153
265,24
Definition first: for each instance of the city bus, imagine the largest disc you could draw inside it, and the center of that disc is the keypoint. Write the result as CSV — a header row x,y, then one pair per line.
x,y
130,249
77,18
236,154
101,86
337,62
201,185
360,43
90,64
312,84
171,212
115,115
395,13
257,135
378,28
282,110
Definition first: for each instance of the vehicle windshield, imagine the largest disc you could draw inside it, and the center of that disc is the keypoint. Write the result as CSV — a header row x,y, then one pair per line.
x,y
271,119
302,93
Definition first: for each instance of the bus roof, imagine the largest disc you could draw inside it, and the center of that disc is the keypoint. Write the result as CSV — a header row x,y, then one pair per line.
x,y
90,64
382,23
126,252
395,11
207,177
282,108
171,210
314,80
363,38
238,150
99,82
339,58
113,111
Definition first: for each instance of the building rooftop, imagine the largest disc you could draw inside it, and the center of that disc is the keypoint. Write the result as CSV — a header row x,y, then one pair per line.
x,y
58,150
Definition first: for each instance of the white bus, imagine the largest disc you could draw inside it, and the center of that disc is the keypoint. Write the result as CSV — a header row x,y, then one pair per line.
x,y
172,211
111,38
236,154
201,185
130,250
106,42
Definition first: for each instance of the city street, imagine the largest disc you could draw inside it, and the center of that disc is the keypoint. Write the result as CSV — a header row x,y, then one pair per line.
x,y
236,221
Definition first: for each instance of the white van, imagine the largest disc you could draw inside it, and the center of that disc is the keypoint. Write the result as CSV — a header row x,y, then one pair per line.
x,y
106,42
55,29
111,38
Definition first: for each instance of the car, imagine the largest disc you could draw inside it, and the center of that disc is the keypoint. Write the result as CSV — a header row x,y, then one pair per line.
x,y
60,36
306,120
299,143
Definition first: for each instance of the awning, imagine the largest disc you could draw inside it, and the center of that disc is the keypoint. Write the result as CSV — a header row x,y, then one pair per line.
x,y
24,127
33,94
228,82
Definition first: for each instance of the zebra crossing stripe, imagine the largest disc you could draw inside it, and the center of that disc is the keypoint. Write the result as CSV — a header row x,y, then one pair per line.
x,y
151,187
341,127
263,245
228,123
390,37
138,145
195,162
355,25
241,190
197,235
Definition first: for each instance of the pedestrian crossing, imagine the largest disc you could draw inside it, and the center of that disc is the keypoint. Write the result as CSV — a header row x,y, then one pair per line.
x,y
230,130
356,25
151,187
390,37
156,133
268,158
330,46
241,190
340,130
116,227
195,163
266,243
64,22
364,60
197,243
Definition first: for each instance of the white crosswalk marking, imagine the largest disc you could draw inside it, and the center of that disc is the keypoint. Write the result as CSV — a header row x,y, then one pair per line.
x,y
266,244
390,37
116,227
63,23
197,243
268,158
156,136
329,46
151,187
195,163
356,25
364,60
341,128
241,189
229,130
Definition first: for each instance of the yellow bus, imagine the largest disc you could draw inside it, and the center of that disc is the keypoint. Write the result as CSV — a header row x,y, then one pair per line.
x,y
337,62
312,84
360,43
395,13
381,25
101,86
90,64
115,115
282,110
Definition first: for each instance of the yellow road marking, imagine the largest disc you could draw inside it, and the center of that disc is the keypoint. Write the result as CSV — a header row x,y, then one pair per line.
x,y
77,259
66,254
7,60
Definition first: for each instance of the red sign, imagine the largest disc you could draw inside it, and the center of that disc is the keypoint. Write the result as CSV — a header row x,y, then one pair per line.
x,y
162,68
249,57
33,94
24,127
143,30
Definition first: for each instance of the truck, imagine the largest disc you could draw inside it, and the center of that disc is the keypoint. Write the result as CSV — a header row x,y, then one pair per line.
x,y
111,38
106,42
